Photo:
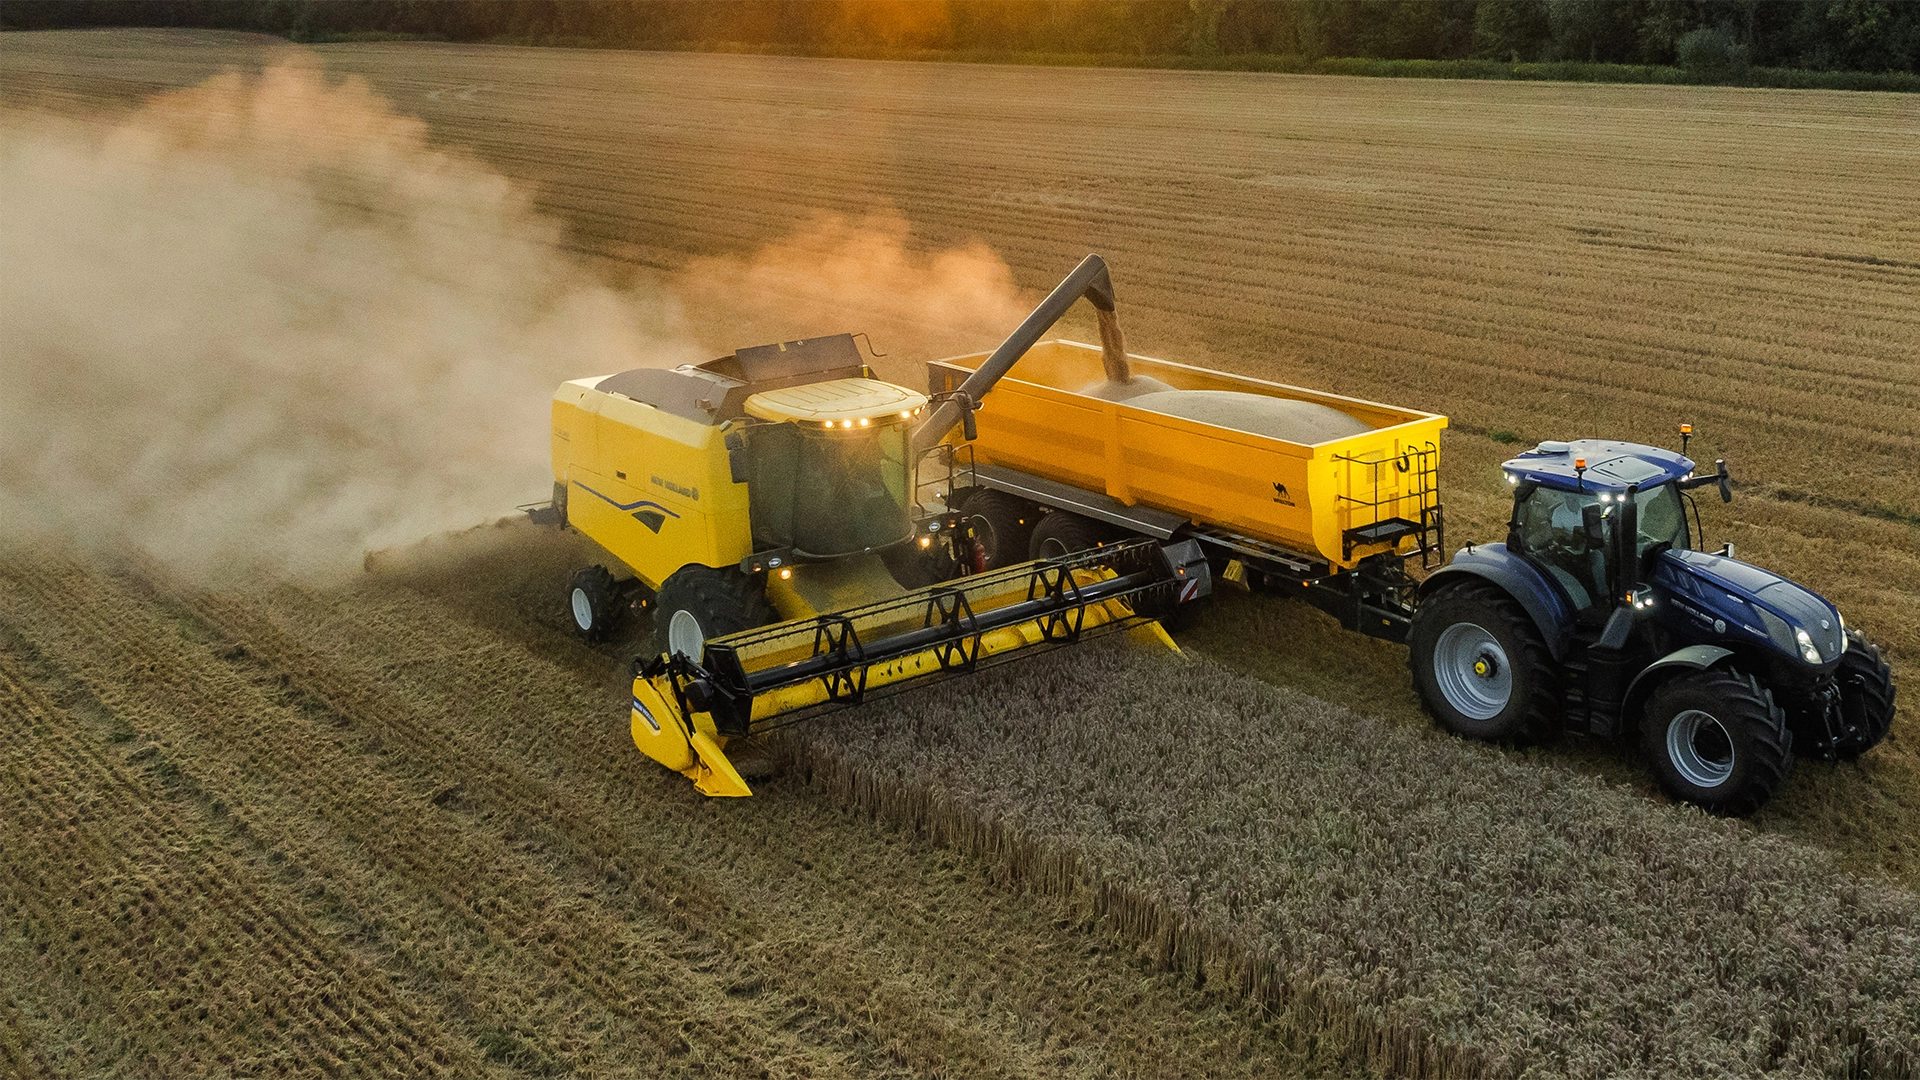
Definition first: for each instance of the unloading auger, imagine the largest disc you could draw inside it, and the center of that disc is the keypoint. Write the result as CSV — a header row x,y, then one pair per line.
x,y
792,523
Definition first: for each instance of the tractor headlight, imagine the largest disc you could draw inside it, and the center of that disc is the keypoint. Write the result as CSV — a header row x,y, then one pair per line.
x,y
1807,652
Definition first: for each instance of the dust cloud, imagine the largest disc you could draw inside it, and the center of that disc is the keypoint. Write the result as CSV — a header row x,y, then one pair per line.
x,y
836,274
265,325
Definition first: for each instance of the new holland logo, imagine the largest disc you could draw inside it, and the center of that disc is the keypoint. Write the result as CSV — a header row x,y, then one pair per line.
x,y
647,715
1280,494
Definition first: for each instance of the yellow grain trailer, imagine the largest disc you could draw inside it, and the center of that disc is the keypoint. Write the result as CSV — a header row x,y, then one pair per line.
x,y
1337,516
807,534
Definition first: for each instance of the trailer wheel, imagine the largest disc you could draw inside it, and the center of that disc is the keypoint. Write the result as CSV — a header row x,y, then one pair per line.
x,y
1063,533
1481,666
696,603
997,528
593,599
1717,740
1866,696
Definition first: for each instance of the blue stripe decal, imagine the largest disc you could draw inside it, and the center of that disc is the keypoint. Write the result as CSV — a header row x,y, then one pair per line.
x,y
648,715
627,506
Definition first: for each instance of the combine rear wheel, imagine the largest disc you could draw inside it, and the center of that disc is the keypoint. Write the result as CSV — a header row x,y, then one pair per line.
x,y
593,599
997,528
1480,665
700,602
1717,740
1866,696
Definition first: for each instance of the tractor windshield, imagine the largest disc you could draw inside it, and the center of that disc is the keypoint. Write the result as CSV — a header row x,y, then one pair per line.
x,y
829,491
1550,527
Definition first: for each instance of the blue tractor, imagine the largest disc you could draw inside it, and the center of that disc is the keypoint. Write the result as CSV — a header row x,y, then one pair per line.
x,y
1601,614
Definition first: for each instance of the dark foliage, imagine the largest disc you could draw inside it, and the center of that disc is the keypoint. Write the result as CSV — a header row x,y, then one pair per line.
x,y
1823,35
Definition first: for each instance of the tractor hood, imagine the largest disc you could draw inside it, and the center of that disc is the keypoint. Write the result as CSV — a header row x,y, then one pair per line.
x,y
1746,595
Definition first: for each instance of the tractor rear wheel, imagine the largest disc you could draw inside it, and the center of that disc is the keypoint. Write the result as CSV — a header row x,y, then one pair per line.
x,y
997,527
1866,696
1481,666
593,600
1717,740
700,602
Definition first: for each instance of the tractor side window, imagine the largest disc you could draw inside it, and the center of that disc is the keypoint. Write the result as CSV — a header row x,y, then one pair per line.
x,y
1663,518
1551,532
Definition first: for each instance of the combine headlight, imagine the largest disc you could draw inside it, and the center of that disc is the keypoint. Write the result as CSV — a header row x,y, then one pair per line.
x,y
1807,652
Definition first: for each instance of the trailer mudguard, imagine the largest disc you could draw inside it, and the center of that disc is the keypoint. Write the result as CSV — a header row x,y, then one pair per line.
x,y
1518,578
1691,658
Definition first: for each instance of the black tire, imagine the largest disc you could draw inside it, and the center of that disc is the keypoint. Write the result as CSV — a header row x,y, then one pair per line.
x,y
916,567
1062,533
1717,740
1866,696
996,527
594,604
710,603
1499,682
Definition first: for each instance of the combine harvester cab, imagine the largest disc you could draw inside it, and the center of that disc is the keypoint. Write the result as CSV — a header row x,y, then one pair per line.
x,y
789,520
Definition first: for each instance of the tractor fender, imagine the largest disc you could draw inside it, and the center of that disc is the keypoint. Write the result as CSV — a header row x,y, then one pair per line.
x,y
1536,595
1691,658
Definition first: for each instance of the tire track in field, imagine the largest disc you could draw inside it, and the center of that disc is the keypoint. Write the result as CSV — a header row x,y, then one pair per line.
x,y
824,982
817,972
202,963
458,909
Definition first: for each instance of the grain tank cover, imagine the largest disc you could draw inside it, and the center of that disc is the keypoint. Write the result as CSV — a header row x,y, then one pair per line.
x,y
792,359
839,401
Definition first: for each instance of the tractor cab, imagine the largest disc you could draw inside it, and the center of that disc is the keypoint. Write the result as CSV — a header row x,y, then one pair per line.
x,y
1572,499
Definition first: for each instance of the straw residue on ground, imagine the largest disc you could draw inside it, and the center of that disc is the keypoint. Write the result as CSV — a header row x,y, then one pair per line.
x,y
1475,913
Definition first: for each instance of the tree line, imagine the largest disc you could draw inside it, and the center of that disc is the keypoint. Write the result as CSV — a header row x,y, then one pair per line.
x,y
1814,35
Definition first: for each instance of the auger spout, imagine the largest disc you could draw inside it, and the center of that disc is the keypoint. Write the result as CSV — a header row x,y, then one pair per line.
x,y
1091,280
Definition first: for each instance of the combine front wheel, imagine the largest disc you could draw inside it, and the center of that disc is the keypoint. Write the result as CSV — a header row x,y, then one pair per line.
x,y
997,526
1717,740
701,602
1062,533
1866,696
1480,665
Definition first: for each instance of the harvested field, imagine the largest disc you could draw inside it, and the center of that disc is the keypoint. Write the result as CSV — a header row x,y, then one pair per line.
x,y
413,794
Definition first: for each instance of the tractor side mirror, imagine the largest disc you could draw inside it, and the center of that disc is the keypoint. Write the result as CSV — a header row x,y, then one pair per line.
x,y
737,456
1726,480
1593,518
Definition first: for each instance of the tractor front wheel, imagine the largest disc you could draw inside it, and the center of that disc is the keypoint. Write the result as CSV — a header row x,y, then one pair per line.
x,y
1481,666
1866,696
593,599
701,602
1717,740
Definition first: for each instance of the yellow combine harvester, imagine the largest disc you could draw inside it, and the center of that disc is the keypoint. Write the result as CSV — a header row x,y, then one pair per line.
x,y
806,534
